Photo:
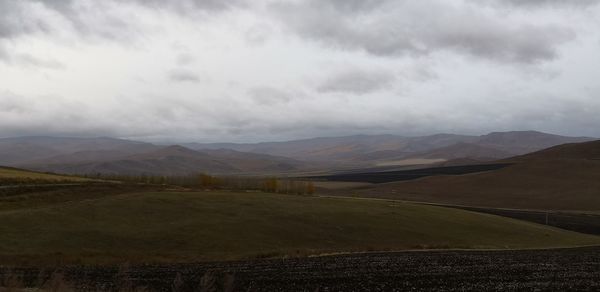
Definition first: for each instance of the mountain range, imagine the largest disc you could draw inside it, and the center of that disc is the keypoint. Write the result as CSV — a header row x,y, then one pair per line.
x,y
373,149
119,156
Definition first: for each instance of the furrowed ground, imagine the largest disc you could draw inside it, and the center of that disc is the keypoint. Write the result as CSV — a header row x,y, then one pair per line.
x,y
507,270
199,226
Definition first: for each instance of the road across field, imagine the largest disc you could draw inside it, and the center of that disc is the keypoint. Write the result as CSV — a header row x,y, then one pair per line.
x,y
38,186
575,269
575,221
580,222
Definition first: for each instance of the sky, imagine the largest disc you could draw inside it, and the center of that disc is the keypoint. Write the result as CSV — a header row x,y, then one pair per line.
x,y
268,70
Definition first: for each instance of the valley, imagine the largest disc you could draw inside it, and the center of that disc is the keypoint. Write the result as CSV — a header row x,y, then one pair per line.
x,y
280,223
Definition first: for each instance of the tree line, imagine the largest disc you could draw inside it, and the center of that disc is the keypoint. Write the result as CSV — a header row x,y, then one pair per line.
x,y
210,182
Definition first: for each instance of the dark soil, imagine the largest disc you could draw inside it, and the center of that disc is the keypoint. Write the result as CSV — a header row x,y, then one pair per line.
x,y
526,270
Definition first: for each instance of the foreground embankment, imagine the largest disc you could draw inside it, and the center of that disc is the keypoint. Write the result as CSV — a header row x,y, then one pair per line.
x,y
515,270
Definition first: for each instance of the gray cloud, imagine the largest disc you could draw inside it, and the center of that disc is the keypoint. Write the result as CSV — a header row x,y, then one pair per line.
x,y
183,75
96,18
18,17
357,81
29,60
68,6
265,95
25,115
184,59
184,6
9,57
356,5
379,27
400,28
544,3
281,69
52,18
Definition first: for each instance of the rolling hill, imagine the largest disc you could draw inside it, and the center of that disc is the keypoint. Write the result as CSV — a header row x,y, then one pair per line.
x,y
9,175
187,227
564,177
370,150
174,160
118,156
349,148
522,142
463,150
570,151
28,150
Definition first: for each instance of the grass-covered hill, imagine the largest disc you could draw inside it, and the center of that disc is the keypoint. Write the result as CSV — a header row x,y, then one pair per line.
x,y
9,175
564,177
192,226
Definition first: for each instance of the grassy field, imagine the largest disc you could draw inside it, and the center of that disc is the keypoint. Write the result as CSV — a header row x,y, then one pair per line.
x,y
52,194
13,174
338,185
194,226
567,185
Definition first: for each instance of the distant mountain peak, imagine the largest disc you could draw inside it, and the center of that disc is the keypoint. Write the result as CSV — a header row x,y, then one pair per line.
x,y
172,150
518,133
177,148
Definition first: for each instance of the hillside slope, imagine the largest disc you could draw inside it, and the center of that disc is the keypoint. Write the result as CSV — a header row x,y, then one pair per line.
x,y
376,149
565,177
463,150
177,160
522,142
27,150
216,226
10,176
109,155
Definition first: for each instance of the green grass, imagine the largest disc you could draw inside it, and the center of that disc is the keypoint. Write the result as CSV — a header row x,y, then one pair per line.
x,y
52,194
14,174
186,226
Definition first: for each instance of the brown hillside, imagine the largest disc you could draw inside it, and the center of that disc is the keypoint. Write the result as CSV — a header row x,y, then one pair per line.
x,y
565,177
463,150
586,151
176,160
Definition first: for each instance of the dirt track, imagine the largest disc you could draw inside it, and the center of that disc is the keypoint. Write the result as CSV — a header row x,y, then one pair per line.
x,y
534,270
579,222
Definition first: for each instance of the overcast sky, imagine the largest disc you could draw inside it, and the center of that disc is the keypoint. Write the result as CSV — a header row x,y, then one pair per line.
x,y
250,70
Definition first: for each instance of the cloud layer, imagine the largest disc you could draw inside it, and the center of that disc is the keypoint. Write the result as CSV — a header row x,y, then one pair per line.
x,y
207,70
397,28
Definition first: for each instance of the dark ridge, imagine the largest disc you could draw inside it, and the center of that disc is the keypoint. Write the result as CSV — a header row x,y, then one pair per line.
x,y
402,175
